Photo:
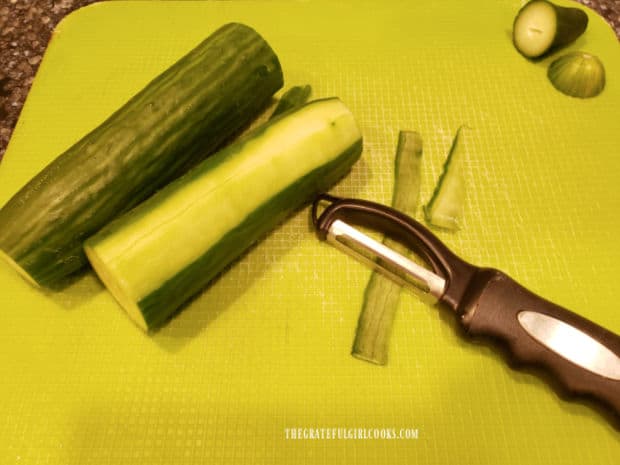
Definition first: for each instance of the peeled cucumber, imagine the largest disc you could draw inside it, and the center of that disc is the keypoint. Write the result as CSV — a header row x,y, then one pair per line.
x,y
157,256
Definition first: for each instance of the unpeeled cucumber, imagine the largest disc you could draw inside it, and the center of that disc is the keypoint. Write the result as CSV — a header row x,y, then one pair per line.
x,y
179,118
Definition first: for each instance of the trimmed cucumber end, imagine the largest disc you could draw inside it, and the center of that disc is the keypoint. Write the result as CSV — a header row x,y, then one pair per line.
x,y
534,29
577,74
23,273
541,27
115,287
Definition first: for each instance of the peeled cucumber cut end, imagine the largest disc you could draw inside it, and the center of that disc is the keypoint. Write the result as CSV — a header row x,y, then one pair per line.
x,y
577,74
116,288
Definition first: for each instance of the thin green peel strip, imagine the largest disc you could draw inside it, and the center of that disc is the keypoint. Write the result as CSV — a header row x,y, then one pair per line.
x,y
294,97
382,295
445,209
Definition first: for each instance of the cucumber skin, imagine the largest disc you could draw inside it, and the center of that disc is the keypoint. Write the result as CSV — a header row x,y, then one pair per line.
x,y
179,118
571,23
292,98
158,306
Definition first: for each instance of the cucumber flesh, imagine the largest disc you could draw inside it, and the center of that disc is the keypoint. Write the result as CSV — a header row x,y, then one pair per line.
x,y
157,256
541,27
382,295
179,118
445,209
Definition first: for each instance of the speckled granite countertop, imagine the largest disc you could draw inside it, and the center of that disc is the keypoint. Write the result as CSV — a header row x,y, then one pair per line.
x,y
26,26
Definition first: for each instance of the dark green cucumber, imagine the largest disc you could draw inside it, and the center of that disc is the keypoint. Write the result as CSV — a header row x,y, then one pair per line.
x,y
179,118
294,97
445,209
158,255
541,27
382,294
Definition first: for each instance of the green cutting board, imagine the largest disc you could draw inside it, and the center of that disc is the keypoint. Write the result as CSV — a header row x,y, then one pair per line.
x,y
266,346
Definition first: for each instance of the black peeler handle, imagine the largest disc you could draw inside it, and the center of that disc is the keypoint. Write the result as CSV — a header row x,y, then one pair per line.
x,y
581,355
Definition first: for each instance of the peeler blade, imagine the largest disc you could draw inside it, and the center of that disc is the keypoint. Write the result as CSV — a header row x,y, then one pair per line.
x,y
393,264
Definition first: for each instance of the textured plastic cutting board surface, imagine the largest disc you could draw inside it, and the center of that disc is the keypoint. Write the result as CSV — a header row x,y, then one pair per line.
x,y
266,347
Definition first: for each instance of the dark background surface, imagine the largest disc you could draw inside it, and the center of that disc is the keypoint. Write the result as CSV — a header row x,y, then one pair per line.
x,y
26,27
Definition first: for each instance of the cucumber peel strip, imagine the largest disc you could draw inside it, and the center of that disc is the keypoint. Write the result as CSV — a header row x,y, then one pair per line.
x,y
445,208
382,295
294,97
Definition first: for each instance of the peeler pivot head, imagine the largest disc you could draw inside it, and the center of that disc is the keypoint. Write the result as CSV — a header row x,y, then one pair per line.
x,y
448,276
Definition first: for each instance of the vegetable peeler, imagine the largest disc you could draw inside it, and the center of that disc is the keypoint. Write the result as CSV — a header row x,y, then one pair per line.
x,y
583,356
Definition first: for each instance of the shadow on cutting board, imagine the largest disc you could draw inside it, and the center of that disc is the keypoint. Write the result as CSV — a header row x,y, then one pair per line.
x,y
75,292
176,420
79,291
182,429
204,308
